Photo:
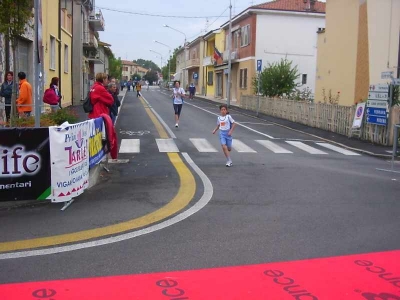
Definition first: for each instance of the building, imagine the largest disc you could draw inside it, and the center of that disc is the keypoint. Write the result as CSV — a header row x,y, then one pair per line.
x,y
361,40
194,59
87,22
130,68
273,31
103,53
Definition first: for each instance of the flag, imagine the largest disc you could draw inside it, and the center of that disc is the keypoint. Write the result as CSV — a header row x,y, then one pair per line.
x,y
217,54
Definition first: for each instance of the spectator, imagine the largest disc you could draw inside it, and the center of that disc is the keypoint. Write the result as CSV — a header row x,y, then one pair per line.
x,y
100,98
192,90
112,88
54,86
6,92
24,101
138,89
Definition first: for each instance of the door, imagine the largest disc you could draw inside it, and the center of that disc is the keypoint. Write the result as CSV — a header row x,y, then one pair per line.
x,y
219,85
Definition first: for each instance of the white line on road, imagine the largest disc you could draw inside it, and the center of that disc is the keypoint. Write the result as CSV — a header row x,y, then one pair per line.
x,y
338,149
273,147
129,146
203,145
166,145
305,147
253,123
240,124
241,147
204,200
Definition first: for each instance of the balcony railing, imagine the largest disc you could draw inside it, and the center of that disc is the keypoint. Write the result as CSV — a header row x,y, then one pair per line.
x,y
208,61
90,41
194,62
234,55
96,20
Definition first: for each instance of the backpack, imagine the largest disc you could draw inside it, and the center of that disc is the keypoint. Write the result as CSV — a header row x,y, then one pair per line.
x,y
50,97
87,104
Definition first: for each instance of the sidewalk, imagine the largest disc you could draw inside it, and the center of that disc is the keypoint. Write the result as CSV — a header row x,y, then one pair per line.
x,y
331,137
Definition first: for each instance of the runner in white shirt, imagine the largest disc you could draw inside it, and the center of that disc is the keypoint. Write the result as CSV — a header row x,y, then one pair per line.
x,y
226,124
178,95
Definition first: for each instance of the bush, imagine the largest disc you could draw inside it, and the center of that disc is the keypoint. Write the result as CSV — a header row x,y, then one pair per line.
x,y
64,115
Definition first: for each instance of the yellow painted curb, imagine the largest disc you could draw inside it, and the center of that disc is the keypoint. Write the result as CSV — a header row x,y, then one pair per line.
x,y
183,197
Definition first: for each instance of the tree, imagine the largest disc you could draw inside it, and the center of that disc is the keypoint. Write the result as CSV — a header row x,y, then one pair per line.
x,y
148,64
171,61
14,20
137,76
151,76
115,66
277,79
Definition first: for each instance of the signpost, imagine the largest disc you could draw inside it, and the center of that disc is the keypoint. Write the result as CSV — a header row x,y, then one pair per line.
x,y
378,103
387,75
358,116
259,67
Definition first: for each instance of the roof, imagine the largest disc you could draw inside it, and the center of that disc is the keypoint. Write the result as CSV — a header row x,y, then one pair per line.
x,y
128,63
292,5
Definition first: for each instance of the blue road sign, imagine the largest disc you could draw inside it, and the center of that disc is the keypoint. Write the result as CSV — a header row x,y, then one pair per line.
x,y
377,120
259,65
378,112
195,75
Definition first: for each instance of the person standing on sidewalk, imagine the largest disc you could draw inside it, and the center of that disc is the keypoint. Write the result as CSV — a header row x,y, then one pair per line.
x,y
226,124
6,92
112,89
24,101
178,95
100,98
192,90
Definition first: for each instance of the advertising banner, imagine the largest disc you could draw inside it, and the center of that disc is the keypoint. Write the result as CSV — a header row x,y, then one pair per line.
x,y
24,164
69,146
96,146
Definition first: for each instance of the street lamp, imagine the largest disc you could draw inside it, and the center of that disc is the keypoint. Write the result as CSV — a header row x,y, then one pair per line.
x,y
158,54
169,61
184,51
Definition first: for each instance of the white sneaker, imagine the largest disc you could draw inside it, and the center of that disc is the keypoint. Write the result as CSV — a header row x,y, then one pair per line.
x,y
229,164
176,125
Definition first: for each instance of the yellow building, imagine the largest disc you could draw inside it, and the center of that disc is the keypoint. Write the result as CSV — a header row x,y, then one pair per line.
x,y
361,40
57,43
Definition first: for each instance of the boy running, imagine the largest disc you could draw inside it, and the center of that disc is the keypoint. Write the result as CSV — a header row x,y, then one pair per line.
x,y
226,125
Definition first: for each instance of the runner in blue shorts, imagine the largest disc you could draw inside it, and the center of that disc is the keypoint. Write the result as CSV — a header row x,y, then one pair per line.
x,y
226,125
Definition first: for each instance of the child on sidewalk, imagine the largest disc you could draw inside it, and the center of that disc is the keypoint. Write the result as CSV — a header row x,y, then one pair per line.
x,y
226,125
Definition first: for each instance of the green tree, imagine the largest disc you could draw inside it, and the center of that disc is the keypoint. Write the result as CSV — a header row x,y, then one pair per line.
x,y
396,96
172,62
148,64
14,21
151,76
115,66
277,79
137,76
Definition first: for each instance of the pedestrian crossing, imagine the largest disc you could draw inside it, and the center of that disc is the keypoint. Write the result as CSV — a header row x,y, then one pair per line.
x,y
203,145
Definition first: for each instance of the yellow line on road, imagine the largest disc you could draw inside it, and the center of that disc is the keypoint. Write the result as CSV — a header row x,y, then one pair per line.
x,y
183,197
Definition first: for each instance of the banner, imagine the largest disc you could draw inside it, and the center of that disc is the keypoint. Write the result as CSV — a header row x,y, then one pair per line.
x,y
96,146
24,164
69,146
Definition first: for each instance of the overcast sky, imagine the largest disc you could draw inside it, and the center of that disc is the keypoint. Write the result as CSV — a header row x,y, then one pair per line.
x,y
132,35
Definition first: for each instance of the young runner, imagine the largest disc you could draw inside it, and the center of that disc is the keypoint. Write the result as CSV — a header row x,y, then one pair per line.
x,y
226,124
178,95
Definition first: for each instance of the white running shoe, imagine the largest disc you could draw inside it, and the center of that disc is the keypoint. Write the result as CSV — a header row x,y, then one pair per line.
x,y
176,125
229,164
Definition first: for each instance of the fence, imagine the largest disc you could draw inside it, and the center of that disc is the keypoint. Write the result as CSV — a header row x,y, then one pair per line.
x,y
335,118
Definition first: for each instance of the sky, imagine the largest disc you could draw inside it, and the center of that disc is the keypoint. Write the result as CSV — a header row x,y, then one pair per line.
x,y
132,36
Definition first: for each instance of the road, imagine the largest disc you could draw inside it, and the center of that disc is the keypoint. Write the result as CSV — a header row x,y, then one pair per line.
x,y
287,197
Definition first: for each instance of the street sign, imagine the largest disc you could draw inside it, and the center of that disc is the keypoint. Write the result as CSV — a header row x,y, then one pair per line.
x,y
396,81
387,75
358,116
259,65
377,120
377,104
383,88
378,112
195,75
378,96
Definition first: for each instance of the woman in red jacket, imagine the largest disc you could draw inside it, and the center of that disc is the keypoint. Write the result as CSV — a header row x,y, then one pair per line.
x,y
100,98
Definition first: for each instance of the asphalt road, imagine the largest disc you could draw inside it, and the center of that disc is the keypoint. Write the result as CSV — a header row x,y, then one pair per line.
x,y
268,207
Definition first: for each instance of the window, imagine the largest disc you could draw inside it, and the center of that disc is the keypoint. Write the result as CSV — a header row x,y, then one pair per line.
x,y
245,36
304,79
236,39
126,69
52,53
66,59
210,78
243,79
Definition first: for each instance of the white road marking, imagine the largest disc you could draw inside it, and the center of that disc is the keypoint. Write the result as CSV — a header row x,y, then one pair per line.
x,y
203,145
166,145
129,146
253,123
338,149
204,200
240,124
273,147
305,147
239,146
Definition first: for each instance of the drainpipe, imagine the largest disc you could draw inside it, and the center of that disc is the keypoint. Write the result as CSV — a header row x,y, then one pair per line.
x,y
59,48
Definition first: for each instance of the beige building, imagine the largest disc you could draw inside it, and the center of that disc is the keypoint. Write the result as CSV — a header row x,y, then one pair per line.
x,y
361,40
130,68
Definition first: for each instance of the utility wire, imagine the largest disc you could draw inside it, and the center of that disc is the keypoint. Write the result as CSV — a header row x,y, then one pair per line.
x,y
210,23
155,15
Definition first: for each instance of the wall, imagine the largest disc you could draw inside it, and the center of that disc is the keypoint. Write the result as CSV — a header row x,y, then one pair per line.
x,y
77,55
294,36
66,74
337,51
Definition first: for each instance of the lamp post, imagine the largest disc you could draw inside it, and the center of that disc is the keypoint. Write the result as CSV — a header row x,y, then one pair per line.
x,y
169,61
184,52
158,54
228,96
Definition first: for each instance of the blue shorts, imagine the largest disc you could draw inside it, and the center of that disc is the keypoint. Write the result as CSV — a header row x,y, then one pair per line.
x,y
225,139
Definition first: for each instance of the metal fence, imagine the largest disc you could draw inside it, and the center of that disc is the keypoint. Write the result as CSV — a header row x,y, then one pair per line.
x,y
335,118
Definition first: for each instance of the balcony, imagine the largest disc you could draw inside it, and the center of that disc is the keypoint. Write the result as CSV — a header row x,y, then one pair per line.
x,y
234,55
193,63
208,61
96,21
89,41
